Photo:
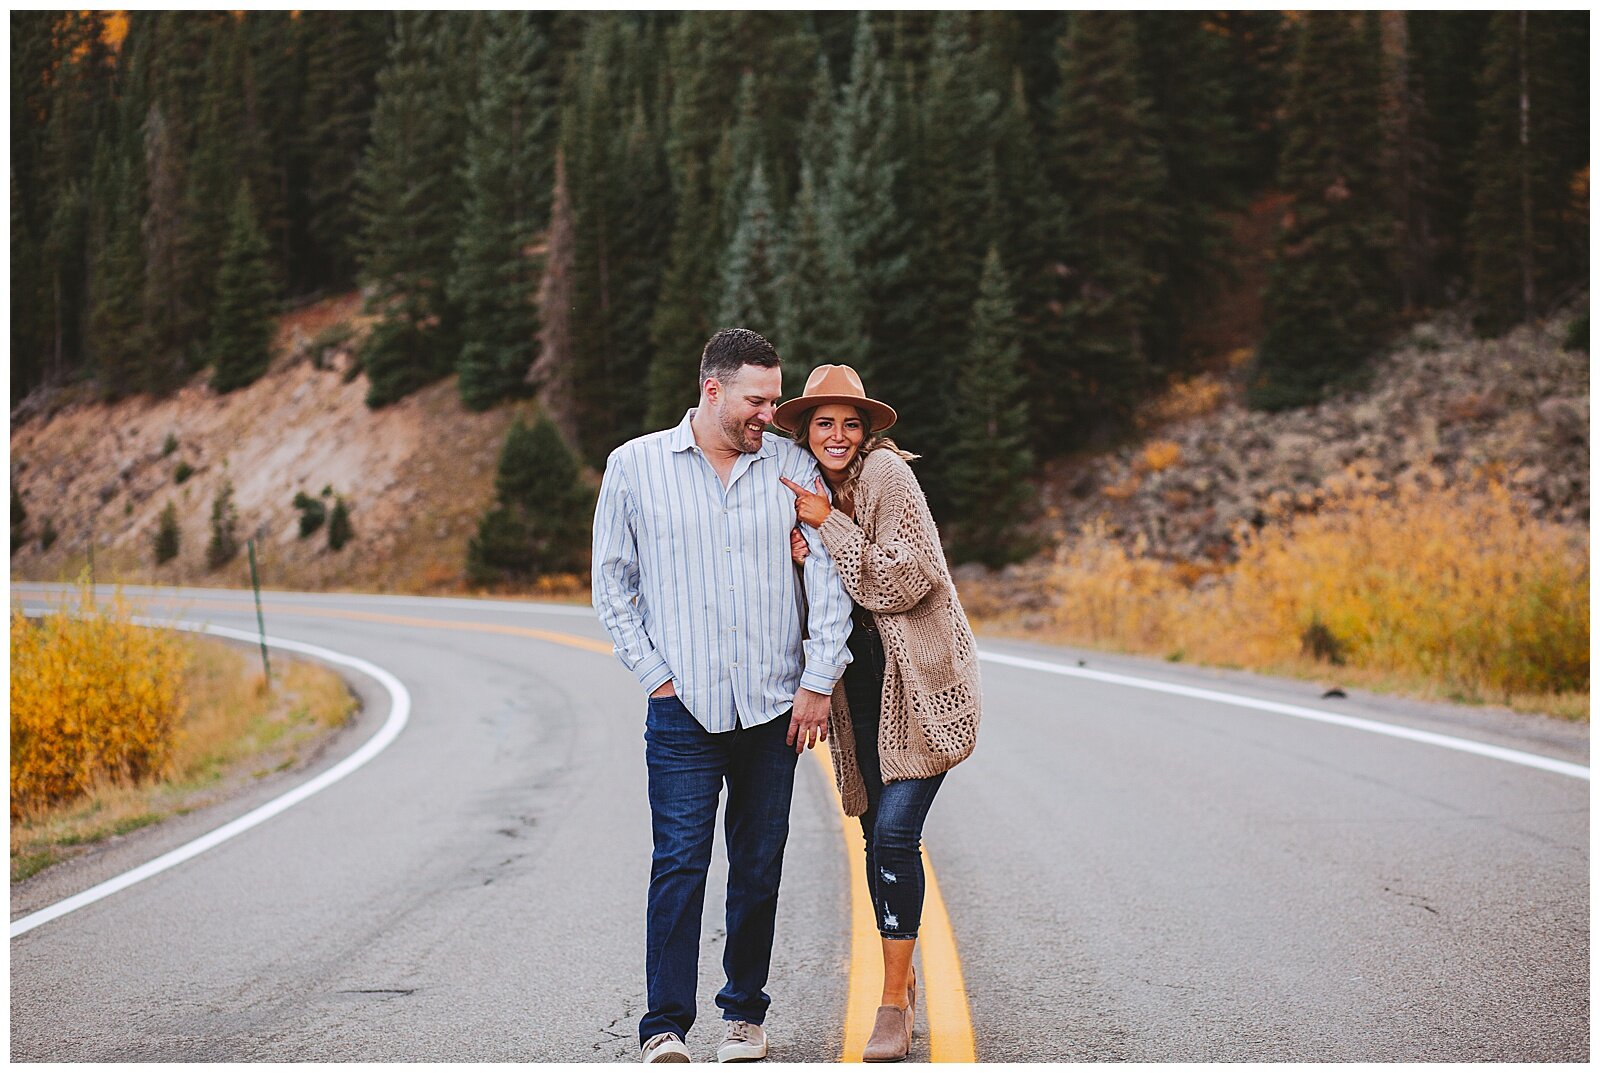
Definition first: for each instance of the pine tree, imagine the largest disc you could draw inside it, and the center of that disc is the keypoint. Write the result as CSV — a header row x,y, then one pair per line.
x,y
638,259
1116,224
409,201
340,531
1027,217
989,459
1255,80
313,512
1525,242
28,309
19,521
116,338
32,58
741,153
816,143
703,63
861,198
539,523
1410,169
682,320
272,155
553,372
344,52
171,310
168,71
1446,54
168,535
496,278
779,50
61,82
224,545
1330,295
819,308
836,33
224,143
243,321
79,106
1026,42
1185,69
955,193
618,177
751,263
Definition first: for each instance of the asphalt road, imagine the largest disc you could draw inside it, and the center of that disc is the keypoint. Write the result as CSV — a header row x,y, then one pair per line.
x,y
1129,875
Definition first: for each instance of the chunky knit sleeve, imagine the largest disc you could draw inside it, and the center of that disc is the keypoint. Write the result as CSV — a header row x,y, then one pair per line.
x,y
887,562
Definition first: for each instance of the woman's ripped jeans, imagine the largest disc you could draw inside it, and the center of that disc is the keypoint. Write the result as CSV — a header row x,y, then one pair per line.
x,y
895,812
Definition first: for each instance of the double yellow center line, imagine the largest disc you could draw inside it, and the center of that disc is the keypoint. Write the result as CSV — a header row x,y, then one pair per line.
x,y
941,988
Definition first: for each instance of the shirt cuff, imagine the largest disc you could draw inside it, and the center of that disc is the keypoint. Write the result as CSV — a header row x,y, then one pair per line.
x,y
821,677
652,671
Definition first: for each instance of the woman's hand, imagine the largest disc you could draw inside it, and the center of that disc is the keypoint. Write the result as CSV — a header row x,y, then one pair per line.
x,y
811,507
798,548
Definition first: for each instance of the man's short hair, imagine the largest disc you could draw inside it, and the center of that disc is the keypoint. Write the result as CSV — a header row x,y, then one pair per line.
x,y
732,348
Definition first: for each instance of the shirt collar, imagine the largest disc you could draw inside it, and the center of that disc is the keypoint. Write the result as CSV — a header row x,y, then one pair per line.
x,y
682,437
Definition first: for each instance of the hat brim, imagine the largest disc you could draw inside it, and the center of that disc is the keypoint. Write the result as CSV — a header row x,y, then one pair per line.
x,y
881,414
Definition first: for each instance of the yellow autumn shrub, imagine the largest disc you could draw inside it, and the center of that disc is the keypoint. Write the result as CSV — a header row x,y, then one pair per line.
x,y
1460,587
93,698
1159,455
1105,594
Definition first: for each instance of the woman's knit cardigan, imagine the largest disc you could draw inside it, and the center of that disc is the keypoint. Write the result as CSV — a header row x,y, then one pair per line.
x,y
892,564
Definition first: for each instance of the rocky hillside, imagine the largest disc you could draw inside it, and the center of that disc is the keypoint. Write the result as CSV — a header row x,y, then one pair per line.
x,y
415,475
1515,407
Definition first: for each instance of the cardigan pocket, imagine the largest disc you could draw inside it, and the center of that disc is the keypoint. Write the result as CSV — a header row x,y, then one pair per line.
x,y
947,705
951,738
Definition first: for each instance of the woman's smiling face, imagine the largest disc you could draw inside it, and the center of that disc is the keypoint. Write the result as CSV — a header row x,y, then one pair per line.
x,y
835,436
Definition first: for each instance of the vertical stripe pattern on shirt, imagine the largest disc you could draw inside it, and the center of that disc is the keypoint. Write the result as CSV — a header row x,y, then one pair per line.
x,y
694,581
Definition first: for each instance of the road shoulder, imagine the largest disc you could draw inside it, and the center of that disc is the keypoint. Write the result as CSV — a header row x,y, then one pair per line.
x,y
1559,739
116,855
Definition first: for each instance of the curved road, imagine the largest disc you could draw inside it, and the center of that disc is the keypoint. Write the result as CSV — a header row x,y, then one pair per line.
x,y
1129,874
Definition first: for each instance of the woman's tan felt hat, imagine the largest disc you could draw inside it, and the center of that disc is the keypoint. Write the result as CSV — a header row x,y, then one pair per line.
x,y
834,383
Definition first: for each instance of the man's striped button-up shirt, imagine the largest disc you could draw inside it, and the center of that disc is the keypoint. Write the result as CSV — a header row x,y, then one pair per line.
x,y
694,581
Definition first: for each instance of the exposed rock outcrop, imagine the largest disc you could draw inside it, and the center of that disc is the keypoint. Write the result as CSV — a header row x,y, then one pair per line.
x,y
1516,408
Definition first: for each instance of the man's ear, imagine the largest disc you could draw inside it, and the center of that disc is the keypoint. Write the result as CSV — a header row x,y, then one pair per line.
x,y
711,387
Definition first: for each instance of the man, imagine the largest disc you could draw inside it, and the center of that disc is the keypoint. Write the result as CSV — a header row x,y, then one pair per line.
x,y
693,580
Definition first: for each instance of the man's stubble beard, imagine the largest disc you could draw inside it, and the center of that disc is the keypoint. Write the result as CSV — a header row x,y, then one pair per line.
x,y
734,429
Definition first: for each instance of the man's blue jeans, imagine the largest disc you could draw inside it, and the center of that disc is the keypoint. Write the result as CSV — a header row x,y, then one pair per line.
x,y
688,766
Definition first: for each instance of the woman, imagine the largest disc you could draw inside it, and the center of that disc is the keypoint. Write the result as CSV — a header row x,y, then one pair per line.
x,y
907,708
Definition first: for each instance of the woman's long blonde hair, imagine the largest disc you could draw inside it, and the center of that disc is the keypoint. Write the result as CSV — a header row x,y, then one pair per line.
x,y
846,488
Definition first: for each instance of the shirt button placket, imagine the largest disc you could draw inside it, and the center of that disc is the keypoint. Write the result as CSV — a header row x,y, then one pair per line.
x,y
728,602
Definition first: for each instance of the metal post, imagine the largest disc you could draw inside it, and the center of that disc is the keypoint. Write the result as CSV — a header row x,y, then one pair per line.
x,y
261,623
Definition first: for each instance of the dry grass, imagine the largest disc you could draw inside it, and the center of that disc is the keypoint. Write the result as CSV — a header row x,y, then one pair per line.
x,y
1453,593
233,730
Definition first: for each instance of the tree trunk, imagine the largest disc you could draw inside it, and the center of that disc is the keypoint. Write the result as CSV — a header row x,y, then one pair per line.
x,y
1525,165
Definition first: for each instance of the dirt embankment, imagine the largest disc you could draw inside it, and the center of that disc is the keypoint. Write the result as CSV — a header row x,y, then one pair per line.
x,y
416,475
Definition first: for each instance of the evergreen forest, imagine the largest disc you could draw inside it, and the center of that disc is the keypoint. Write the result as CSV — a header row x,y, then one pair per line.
x,y
1015,225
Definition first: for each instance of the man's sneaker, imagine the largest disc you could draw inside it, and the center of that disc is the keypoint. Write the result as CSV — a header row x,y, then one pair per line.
x,y
744,1042
665,1047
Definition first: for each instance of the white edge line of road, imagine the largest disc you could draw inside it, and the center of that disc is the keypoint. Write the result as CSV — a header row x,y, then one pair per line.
x,y
520,607
399,713
1445,741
